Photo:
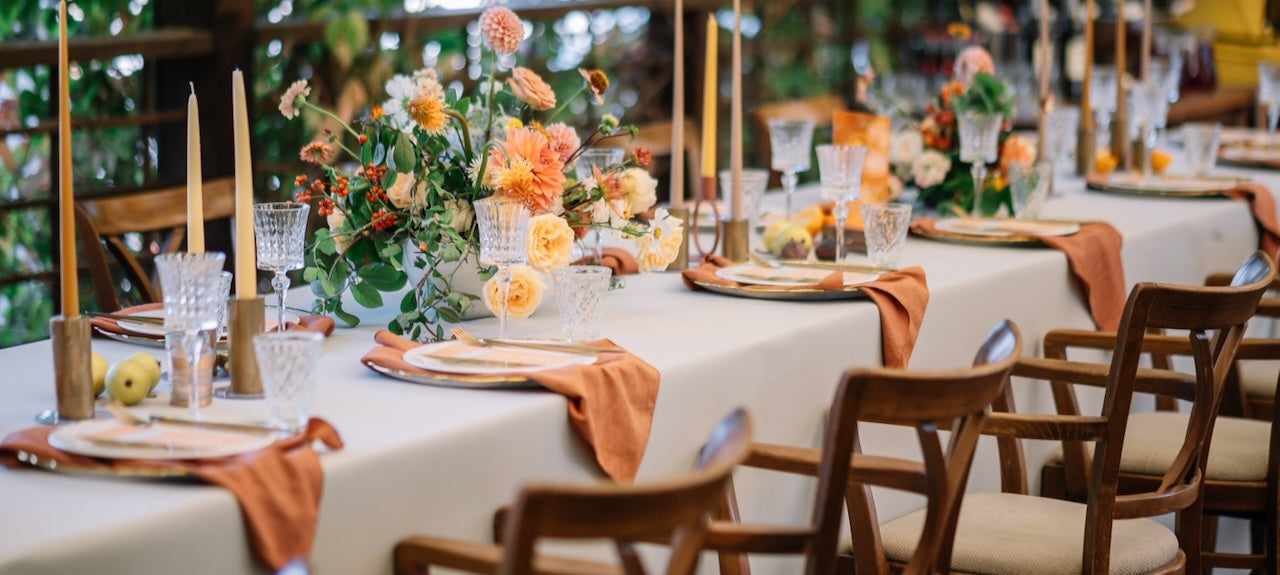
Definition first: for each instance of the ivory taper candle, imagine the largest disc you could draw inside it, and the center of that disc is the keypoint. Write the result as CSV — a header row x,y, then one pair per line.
x,y
677,112
1042,126
195,188
1147,15
735,114
66,198
710,92
246,252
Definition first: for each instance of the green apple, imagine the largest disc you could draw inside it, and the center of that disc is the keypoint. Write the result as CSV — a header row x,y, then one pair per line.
x,y
128,382
150,365
100,367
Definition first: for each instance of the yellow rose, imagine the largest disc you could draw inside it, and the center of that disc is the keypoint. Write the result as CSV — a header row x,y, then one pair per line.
x,y
525,295
550,243
640,188
401,191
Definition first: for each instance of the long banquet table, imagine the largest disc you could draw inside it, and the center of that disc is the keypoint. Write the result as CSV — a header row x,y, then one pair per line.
x,y
438,461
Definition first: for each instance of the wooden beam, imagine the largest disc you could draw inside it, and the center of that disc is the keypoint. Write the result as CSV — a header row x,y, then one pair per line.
x,y
152,44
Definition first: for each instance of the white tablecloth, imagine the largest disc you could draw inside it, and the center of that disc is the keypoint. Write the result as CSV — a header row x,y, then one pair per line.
x,y
438,461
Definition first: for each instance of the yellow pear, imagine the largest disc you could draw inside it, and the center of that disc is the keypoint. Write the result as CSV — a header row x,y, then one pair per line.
x,y
150,364
100,367
796,233
771,232
128,382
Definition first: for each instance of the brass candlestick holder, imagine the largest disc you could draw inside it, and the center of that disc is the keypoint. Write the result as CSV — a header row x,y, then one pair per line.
x,y
707,201
1086,150
1120,148
736,240
72,371
681,262
247,320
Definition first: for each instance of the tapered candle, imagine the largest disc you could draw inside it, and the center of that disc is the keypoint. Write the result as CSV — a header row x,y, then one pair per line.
x,y
1120,124
1146,40
66,199
195,191
735,114
677,113
1086,96
1042,127
246,252
709,100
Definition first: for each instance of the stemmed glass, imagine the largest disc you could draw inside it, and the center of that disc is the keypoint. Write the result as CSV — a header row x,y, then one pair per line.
x,y
1269,93
840,170
1103,96
280,229
789,143
979,145
504,229
588,162
192,304
1064,125
1151,112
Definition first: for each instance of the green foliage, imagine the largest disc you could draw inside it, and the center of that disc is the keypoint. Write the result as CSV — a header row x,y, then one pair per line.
x,y
987,94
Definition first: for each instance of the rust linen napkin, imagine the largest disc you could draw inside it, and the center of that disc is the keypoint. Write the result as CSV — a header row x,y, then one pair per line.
x,y
1093,256
278,487
617,259
1263,206
316,323
610,402
902,297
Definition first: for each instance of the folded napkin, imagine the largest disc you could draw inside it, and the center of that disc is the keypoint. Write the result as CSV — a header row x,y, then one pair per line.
x,y
278,487
316,323
610,402
902,297
1093,256
1263,206
617,259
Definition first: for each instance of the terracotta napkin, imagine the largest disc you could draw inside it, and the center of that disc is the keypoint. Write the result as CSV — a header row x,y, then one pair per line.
x,y
610,402
278,487
1093,255
316,323
617,259
902,297
1263,206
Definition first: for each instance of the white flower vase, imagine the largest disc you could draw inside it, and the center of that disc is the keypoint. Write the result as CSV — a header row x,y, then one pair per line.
x,y
466,279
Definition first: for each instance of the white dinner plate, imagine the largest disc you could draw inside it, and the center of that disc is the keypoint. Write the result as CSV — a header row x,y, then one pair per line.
x,y
78,438
788,276
158,330
1166,184
426,357
1005,227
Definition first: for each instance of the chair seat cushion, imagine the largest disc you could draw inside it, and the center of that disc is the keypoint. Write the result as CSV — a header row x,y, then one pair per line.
x,y
1008,534
1239,450
1258,377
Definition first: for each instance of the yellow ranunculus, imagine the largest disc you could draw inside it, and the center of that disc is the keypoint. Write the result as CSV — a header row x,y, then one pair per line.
x,y
525,295
550,243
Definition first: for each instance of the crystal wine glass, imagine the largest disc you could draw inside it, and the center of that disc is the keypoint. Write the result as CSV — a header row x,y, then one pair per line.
x,y
193,293
1151,112
789,143
280,229
588,162
1102,95
979,145
504,229
1269,93
840,171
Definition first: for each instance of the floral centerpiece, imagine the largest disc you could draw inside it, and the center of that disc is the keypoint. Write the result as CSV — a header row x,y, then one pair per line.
x,y
402,215
930,159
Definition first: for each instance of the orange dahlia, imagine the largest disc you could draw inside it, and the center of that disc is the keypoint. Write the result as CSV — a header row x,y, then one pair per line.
x,y
526,167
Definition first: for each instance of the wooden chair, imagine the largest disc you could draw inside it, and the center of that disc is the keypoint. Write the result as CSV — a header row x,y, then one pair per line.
x,y
162,213
922,400
675,509
1240,477
1013,532
657,138
820,109
1251,385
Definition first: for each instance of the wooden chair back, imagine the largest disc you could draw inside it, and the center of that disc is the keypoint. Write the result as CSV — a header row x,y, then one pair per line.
x,y
656,136
1197,310
104,223
677,508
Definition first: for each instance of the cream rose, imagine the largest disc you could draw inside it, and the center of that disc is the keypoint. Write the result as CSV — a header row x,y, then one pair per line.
x,y
524,297
550,243
930,169
640,188
336,220
401,191
661,245
463,215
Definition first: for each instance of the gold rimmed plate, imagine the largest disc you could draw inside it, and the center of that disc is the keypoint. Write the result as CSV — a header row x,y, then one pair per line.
x,y
456,380
1169,186
949,234
123,471
1250,157
791,294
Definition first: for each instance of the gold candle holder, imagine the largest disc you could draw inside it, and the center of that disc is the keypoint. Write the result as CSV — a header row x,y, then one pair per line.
x,y
72,370
1120,148
1086,150
247,320
681,262
736,242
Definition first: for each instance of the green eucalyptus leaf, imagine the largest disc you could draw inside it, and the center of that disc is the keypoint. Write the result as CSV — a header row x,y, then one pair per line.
x,y
366,295
382,276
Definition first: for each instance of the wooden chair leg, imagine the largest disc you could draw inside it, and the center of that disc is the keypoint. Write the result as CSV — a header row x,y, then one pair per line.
x,y
731,563
1190,529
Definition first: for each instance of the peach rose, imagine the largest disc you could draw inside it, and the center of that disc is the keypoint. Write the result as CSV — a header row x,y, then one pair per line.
x,y
1016,150
550,243
401,191
525,295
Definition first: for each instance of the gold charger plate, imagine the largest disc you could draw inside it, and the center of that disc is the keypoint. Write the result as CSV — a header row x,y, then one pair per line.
x,y
457,380
1011,240
1268,158
105,471
1168,186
